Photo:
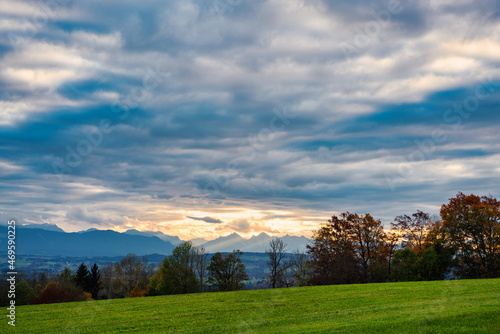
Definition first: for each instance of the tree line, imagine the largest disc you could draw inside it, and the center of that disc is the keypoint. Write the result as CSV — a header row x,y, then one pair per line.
x,y
187,270
464,242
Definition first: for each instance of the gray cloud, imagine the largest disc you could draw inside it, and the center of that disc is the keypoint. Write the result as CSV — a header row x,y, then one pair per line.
x,y
191,94
207,220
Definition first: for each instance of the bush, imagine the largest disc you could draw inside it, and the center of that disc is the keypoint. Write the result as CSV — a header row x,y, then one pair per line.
x,y
137,292
405,266
57,293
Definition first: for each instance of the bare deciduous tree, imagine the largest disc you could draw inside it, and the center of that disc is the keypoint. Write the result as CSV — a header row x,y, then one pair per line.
x,y
301,268
413,229
278,265
200,264
132,271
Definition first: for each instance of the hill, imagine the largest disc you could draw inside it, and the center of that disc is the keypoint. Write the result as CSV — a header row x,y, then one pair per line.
x,y
89,243
174,240
48,227
467,306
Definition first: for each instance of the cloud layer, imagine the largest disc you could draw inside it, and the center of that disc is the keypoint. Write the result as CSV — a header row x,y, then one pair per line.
x,y
270,115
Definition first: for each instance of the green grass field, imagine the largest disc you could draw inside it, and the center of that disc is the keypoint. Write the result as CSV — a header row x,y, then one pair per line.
x,y
468,306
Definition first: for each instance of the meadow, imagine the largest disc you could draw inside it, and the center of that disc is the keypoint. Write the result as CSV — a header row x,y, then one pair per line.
x,y
465,306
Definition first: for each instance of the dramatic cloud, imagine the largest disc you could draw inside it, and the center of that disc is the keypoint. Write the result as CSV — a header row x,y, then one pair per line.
x,y
270,115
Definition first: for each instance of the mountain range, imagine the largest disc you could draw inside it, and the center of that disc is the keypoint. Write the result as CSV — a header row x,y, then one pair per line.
x,y
47,239
172,239
89,243
256,244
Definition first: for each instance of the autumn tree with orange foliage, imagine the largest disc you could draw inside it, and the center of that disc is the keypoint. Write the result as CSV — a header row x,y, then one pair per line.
x,y
471,226
422,253
369,244
349,249
55,292
413,230
137,292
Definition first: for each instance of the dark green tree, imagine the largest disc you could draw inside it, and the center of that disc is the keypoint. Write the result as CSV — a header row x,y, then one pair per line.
x,y
24,293
94,284
405,266
428,265
227,273
176,274
82,277
66,278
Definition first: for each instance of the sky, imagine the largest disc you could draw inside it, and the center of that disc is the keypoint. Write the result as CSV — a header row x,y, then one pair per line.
x,y
204,118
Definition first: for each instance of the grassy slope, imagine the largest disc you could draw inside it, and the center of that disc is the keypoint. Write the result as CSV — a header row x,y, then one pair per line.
x,y
469,306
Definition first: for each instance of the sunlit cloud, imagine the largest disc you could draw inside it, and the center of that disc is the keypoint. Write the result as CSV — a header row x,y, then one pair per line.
x,y
181,118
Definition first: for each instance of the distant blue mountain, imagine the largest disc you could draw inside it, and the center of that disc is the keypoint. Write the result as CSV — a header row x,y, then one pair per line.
x,y
256,244
89,243
48,227
198,241
225,244
47,239
172,239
